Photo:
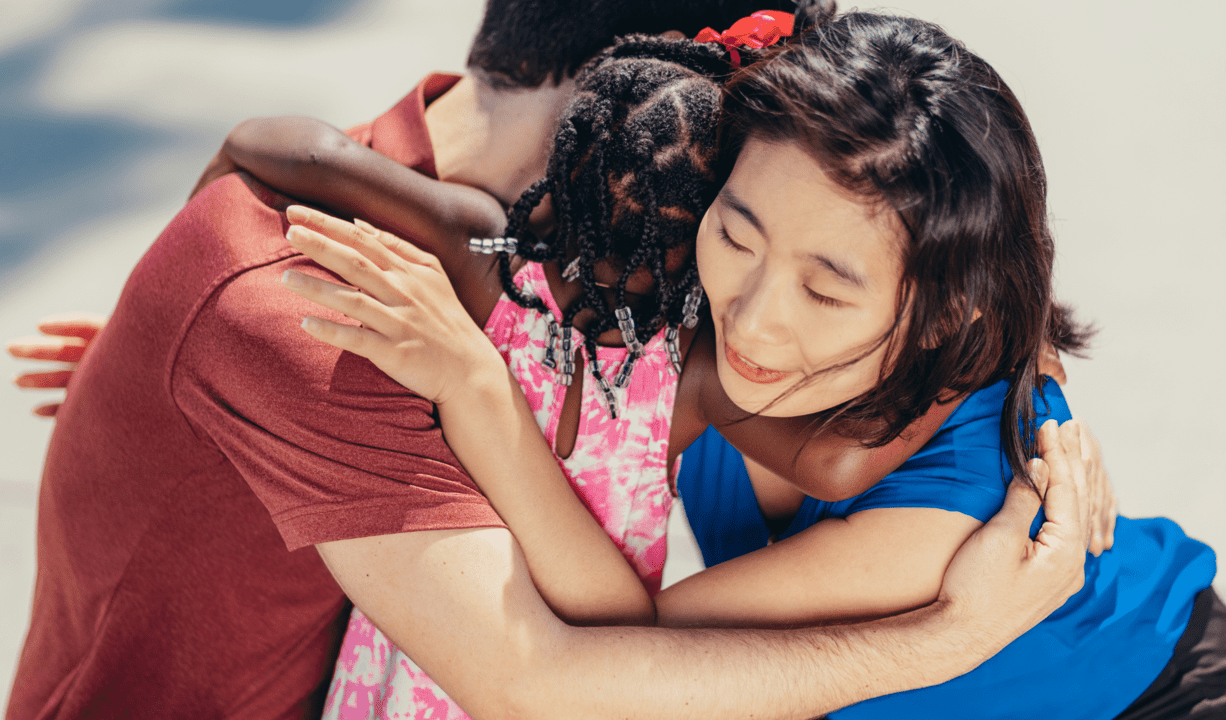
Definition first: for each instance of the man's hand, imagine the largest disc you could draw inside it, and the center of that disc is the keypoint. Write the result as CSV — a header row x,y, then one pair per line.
x,y
1001,582
64,340
1104,506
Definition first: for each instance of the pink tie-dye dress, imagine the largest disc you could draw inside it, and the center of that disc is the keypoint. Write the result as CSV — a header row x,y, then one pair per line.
x,y
618,468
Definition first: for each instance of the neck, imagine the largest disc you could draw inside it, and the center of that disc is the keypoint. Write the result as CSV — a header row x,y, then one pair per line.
x,y
492,139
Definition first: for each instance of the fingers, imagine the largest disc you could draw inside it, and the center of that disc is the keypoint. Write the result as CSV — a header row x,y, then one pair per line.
x,y
402,248
355,268
345,300
48,410
56,379
56,349
1066,521
356,340
363,242
1096,489
79,325
1105,505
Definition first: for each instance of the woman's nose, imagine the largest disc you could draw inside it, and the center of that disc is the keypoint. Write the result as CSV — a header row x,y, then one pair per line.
x,y
762,310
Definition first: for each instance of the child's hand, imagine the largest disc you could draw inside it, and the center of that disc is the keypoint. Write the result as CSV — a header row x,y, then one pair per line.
x,y
65,339
413,326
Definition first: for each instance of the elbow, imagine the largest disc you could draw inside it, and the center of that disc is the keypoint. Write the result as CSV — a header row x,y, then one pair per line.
x,y
527,688
323,147
616,611
316,156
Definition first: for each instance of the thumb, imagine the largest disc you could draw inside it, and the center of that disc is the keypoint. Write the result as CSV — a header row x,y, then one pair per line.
x,y
1022,503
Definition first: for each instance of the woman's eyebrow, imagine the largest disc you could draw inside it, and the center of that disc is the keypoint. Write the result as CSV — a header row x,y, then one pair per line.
x,y
730,199
839,269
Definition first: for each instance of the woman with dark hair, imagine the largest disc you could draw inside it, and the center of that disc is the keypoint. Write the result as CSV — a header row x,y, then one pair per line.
x,y
880,249
888,125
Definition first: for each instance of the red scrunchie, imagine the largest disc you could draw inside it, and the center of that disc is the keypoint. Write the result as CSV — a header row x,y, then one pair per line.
x,y
763,28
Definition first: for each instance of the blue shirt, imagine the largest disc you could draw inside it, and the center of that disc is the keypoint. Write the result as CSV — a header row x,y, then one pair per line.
x,y
1089,659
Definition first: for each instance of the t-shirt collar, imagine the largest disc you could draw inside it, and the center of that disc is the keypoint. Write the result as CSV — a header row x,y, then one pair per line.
x,y
401,133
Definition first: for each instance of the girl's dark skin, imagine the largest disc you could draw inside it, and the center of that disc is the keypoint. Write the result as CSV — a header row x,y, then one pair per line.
x,y
313,161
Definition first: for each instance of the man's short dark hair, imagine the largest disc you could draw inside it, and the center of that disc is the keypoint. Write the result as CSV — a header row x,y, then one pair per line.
x,y
523,43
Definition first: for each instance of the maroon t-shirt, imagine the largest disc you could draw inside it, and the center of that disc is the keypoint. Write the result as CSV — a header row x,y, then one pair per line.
x,y
205,445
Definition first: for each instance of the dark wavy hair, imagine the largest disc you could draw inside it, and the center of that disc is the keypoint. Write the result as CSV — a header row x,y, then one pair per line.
x,y
899,113
523,43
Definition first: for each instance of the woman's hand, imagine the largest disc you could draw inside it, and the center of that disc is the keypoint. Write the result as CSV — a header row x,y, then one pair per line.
x,y
413,326
65,339
418,333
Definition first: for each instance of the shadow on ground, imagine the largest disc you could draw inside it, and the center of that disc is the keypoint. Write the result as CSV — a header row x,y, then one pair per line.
x,y
58,170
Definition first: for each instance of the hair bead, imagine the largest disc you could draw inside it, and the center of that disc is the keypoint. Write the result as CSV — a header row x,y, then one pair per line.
x,y
489,246
670,345
693,300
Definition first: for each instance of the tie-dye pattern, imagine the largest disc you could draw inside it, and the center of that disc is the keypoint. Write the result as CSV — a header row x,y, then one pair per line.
x,y
618,468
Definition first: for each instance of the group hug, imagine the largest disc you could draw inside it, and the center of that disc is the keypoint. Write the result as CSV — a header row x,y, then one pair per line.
x,y
389,421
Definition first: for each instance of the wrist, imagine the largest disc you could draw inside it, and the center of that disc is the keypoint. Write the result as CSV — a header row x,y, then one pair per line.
x,y
483,381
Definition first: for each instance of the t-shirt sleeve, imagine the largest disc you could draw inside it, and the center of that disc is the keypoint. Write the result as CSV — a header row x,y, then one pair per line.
x,y
962,469
333,447
944,487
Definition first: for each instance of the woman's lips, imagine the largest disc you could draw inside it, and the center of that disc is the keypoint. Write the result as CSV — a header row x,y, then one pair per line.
x,y
750,371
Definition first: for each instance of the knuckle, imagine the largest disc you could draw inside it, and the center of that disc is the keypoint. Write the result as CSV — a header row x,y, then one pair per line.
x,y
359,264
354,300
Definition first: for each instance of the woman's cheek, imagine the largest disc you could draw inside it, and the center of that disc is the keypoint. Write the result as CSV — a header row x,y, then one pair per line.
x,y
712,270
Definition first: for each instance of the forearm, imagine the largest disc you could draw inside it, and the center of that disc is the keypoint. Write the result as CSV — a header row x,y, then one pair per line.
x,y
801,673
461,605
575,566
314,161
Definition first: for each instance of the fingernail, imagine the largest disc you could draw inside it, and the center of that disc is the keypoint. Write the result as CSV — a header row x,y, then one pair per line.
x,y
289,278
365,226
310,324
291,233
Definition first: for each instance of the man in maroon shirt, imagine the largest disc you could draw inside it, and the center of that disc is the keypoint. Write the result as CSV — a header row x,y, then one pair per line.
x,y
207,442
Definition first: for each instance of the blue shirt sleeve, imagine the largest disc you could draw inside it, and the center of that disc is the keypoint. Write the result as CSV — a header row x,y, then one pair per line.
x,y
962,469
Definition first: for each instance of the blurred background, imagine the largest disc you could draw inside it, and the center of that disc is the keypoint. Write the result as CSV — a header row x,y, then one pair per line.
x,y
110,109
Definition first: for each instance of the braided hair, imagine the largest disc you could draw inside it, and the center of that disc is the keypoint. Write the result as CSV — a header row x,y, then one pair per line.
x,y
631,173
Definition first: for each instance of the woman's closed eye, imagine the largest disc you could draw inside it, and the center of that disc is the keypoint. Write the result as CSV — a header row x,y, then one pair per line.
x,y
824,299
734,245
